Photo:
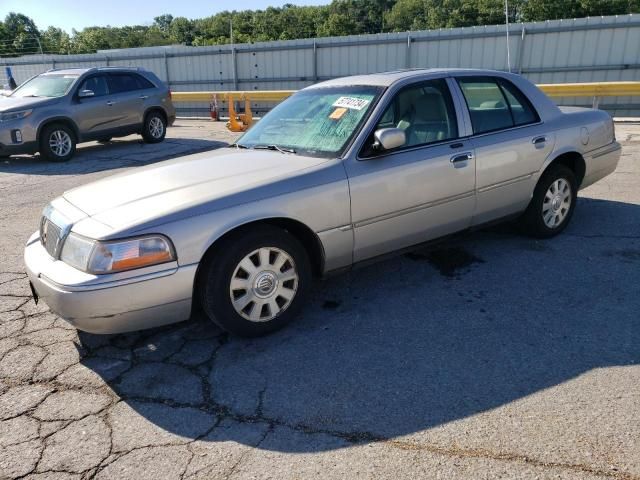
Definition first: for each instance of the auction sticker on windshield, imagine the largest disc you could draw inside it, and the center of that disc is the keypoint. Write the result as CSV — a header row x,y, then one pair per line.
x,y
351,102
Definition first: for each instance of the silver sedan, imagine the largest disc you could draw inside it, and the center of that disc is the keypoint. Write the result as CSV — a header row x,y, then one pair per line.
x,y
340,173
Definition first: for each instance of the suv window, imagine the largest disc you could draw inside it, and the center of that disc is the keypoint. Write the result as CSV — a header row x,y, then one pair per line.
x,y
143,82
495,104
122,82
97,84
425,112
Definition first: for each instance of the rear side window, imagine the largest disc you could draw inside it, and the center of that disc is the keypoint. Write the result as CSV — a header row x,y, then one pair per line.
x,y
122,82
97,84
143,82
495,104
521,108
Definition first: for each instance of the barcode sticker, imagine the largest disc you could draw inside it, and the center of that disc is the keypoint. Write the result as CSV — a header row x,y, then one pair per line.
x,y
351,102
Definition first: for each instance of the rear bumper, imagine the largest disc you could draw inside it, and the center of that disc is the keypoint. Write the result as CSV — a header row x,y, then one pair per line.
x,y
600,163
111,306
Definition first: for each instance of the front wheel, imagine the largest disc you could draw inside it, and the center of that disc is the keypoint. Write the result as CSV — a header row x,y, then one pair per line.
x,y
154,128
256,282
552,204
57,143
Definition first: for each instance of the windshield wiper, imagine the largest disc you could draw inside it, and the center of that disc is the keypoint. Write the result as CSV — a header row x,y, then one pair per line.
x,y
236,145
275,147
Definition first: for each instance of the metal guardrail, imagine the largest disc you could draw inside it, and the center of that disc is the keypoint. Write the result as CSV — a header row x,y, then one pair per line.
x,y
593,89
253,95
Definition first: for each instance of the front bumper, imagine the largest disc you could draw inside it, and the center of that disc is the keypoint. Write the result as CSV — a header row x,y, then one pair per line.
x,y
9,144
110,303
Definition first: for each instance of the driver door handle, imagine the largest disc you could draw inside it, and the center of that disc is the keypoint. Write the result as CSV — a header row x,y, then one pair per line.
x,y
144,97
110,103
461,157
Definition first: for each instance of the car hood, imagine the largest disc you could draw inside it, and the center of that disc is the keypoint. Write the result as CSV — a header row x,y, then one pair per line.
x,y
19,103
165,191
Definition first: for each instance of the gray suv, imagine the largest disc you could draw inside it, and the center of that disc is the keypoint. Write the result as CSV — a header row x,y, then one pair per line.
x,y
52,112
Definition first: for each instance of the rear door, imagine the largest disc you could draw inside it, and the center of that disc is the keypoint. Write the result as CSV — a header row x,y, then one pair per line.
x,y
128,98
420,191
510,143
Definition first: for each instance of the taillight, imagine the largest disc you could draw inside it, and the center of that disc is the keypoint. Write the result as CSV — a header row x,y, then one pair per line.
x,y
170,94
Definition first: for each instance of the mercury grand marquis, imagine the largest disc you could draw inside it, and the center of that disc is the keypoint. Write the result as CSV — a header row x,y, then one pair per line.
x,y
343,171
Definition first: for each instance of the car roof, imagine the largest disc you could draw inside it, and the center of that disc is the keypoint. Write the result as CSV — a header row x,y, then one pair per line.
x,y
386,79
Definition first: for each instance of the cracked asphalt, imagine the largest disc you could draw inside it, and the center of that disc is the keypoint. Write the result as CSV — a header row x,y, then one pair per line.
x,y
493,356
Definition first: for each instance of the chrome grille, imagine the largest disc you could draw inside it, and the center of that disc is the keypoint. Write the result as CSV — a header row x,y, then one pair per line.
x,y
50,235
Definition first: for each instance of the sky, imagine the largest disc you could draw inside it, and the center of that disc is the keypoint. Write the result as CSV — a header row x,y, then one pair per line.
x,y
68,14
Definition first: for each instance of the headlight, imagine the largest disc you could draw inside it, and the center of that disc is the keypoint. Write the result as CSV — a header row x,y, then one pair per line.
x,y
5,117
76,251
118,255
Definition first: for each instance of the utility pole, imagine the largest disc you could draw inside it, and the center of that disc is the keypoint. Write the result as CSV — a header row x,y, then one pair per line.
x,y
506,17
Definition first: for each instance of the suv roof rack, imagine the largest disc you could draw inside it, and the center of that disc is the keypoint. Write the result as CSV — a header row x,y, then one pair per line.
x,y
90,69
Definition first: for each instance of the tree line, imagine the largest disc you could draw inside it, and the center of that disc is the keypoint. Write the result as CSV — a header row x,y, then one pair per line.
x,y
19,35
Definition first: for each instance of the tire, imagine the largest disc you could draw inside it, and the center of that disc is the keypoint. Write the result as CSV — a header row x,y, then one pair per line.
x,y
154,128
57,143
264,291
552,204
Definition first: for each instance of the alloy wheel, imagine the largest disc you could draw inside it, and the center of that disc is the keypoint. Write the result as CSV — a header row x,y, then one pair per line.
x,y
60,143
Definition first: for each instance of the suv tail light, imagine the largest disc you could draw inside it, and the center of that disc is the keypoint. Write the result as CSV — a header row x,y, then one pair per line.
x,y
170,98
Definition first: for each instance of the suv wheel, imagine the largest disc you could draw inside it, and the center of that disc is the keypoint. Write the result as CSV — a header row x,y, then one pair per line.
x,y
256,283
155,127
57,143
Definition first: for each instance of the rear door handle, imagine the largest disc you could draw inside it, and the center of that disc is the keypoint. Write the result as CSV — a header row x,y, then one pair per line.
x,y
144,97
110,103
539,140
461,157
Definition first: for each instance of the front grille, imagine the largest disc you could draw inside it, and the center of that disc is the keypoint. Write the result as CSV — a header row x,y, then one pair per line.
x,y
50,235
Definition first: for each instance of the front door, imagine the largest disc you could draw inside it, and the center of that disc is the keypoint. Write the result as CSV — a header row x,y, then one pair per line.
x,y
94,114
420,191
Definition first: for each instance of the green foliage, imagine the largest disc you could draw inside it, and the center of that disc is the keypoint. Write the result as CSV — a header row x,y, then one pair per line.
x,y
20,36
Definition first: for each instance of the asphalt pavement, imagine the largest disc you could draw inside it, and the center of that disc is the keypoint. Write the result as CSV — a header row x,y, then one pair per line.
x,y
492,356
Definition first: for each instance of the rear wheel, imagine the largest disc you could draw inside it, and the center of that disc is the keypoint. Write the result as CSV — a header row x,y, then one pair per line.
x,y
57,143
552,204
155,127
256,283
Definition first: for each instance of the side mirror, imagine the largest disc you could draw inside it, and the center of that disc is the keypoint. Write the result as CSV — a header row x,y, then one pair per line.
x,y
389,138
86,93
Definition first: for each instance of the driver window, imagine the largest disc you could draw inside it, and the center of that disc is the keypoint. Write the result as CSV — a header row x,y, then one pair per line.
x,y
97,84
425,112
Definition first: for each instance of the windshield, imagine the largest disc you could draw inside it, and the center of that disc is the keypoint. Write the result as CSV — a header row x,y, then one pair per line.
x,y
45,86
316,122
